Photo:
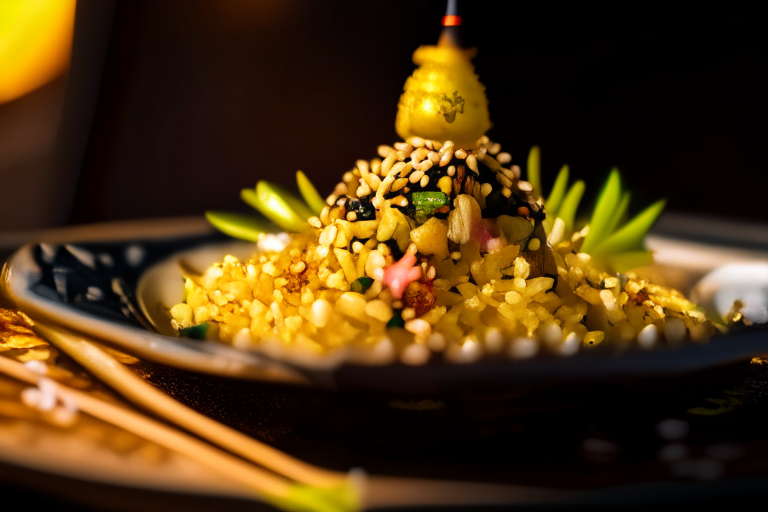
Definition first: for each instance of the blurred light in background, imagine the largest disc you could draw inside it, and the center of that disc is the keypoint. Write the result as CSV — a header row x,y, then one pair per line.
x,y
35,44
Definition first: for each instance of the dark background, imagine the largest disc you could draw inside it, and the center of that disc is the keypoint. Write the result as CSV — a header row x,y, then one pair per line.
x,y
200,99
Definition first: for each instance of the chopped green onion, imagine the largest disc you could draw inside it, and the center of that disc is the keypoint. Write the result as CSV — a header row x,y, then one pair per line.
x,y
426,203
308,191
602,214
195,332
244,227
361,284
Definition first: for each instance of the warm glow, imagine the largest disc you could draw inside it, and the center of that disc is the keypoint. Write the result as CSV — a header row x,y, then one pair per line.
x,y
35,43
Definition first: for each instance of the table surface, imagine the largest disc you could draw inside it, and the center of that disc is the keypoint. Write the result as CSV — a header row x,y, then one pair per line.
x,y
695,437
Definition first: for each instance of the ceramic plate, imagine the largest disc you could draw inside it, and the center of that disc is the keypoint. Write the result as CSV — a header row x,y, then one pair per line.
x,y
119,291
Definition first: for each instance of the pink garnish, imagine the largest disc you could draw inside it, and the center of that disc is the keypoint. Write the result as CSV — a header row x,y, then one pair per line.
x,y
400,274
487,235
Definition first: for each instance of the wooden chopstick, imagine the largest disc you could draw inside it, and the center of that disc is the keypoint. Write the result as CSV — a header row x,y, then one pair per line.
x,y
112,373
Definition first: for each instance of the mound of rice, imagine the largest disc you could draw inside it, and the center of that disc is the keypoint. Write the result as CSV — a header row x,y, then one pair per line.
x,y
486,279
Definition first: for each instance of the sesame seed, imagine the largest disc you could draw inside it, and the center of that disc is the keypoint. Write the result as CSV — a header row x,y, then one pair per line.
x,y
384,151
376,201
448,145
431,272
402,155
386,165
504,158
386,183
341,201
494,148
456,255
484,140
517,171
424,181
447,157
331,199
509,174
364,168
403,146
472,163
314,222
506,192
376,166
397,168
524,186
415,176
351,216
436,145
425,166
298,268
451,170
363,190
340,189
324,213
408,314
357,246
460,154
486,189
433,157
373,181
398,184
416,142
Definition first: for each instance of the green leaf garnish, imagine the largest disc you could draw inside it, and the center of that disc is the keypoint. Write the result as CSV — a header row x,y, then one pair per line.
x,y
631,235
534,170
603,212
628,260
196,332
310,194
558,192
619,214
244,227
567,210
267,199
308,498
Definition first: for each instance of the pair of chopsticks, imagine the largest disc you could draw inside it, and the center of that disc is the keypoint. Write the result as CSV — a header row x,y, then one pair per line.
x,y
275,476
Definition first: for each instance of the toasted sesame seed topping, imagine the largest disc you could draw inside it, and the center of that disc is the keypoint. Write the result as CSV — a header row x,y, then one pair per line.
x,y
314,222
461,154
451,170
472,163
506,192
403,146
331,199
386,165
398,184
504,158
524,186
384,151
415,176
425,166
486,189
351,216
424,181
402,155
364,167
416,142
